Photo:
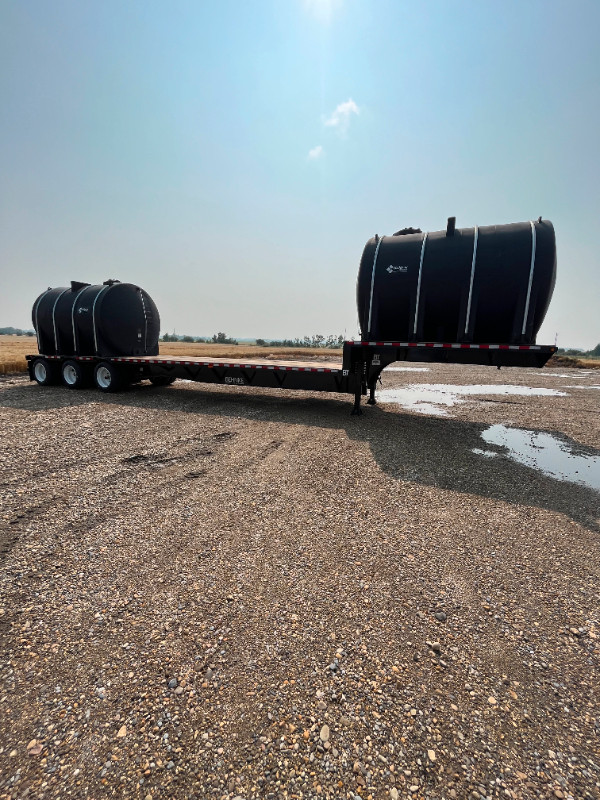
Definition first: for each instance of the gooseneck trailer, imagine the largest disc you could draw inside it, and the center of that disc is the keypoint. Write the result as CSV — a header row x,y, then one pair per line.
x,y
472,296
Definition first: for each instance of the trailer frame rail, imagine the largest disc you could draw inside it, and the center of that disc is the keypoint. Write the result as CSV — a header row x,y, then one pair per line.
x,y
361,367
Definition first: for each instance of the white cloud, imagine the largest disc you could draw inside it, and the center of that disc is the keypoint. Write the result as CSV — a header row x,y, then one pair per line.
x,y
340,119
315,153
323,10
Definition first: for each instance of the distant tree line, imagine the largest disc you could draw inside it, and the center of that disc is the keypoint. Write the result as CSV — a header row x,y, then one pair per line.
x,y
317,341
15,332
218,338
325,342
573,351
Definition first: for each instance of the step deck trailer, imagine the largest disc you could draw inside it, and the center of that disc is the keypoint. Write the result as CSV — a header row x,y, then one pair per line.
x,y
361,367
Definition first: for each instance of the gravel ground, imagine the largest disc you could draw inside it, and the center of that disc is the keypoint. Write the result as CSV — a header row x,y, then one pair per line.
x,y
218,593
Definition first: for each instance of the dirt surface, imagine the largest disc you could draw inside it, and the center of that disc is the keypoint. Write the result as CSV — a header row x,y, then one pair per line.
x,y
219,593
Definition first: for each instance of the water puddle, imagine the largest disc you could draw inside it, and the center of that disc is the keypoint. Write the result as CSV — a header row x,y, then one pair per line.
x,y
546,453
580,375
436,398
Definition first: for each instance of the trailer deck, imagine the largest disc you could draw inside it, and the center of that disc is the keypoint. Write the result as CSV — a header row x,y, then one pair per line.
x,y
357,374
253,363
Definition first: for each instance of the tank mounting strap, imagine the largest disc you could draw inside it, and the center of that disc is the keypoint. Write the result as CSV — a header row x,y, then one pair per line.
x,y
75,342
373,284
473,262
531,268
54,318
36,322
145,320
103,289
419,283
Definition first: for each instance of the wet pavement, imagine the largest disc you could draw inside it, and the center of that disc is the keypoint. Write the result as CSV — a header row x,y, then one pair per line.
x,y
546,453
437,398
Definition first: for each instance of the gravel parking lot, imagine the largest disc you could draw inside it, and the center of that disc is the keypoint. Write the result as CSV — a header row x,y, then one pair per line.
x,y
225,593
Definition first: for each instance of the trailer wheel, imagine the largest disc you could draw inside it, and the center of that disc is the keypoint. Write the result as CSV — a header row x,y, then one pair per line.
x,y
108,377
74,375
161,380
45,373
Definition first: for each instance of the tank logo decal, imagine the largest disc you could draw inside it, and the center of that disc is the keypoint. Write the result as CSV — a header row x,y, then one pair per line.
x,y
82,309
419,282
373,283
401,268
531,268
473,260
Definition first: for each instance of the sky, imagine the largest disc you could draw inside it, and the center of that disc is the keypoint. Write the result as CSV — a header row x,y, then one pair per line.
x,y
234,157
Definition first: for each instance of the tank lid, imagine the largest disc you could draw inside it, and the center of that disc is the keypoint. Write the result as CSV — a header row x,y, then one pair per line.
x,y
451,225
110,282
407,231
77,285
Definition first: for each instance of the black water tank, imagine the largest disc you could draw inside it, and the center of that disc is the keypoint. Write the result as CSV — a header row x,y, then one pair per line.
x,y
482,285
113,319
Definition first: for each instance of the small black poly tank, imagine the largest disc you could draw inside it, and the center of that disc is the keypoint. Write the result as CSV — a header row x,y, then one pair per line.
x,y
113,319
490,284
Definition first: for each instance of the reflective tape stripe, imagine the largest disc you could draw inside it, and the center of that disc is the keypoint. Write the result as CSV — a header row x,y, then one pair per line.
x,y
456,345
145,321
210,364
94,317
75,345
373,283
419,282
531,268
36,323
473,261
54,318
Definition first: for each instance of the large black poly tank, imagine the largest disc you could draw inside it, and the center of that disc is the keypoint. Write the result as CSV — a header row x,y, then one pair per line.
x,y
113,319
480,285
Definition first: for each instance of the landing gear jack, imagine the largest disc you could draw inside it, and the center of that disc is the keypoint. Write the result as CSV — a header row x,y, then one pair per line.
x,y
356,409
371,401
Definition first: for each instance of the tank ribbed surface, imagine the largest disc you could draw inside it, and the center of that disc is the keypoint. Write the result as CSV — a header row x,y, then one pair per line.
x,y
490,284
111,319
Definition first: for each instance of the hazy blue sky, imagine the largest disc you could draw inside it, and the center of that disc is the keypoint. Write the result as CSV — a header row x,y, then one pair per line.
x,y
233,157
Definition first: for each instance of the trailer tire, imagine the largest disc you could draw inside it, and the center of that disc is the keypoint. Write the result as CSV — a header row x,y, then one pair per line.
x,y
44,372
108,377
161,380
74,374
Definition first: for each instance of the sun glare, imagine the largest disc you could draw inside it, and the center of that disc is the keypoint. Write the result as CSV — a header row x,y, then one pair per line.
x,y
322,9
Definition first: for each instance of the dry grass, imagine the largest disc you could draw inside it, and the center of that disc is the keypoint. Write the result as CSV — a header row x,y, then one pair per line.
x,y
13,350
574,362
246,351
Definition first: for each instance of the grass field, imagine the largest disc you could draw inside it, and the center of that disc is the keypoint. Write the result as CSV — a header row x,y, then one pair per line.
x,y
13,350
573,361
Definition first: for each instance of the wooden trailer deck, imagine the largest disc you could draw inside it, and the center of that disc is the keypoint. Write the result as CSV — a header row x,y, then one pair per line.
x,y
253,363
